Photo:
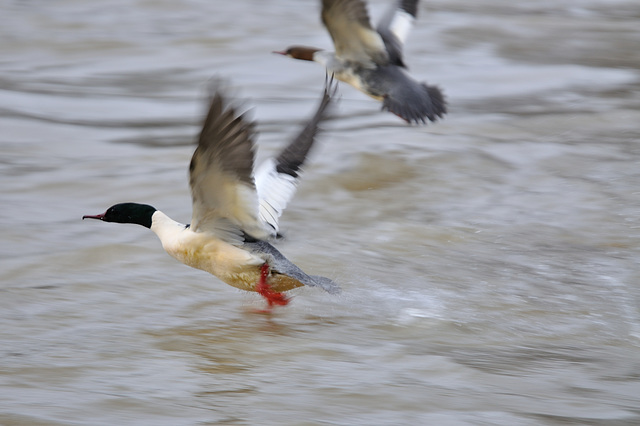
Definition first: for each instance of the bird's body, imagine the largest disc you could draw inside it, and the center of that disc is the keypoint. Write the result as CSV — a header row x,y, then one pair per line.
x,y
232,264
238,266
372,60
234,212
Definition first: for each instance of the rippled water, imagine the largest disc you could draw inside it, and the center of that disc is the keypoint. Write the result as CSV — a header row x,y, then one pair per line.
x,y
489,263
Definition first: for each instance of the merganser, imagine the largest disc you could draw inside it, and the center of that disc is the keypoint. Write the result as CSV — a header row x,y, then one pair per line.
x,y
371,60
235,211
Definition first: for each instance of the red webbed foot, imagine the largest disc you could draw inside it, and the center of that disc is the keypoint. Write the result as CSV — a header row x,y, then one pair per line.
x,y
272,297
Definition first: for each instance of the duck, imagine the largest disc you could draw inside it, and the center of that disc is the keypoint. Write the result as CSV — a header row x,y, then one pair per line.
x,y
236,211
371,60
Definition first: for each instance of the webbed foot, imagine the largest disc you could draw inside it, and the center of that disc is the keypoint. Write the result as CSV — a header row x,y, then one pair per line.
x,y
263,288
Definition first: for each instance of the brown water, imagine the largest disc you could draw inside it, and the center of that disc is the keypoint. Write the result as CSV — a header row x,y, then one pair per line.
x,y
489,263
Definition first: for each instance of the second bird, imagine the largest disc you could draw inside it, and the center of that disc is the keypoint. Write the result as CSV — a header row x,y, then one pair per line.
x,y
371,60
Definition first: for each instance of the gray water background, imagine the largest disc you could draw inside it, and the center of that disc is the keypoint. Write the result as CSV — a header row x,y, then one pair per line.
x,y
489,263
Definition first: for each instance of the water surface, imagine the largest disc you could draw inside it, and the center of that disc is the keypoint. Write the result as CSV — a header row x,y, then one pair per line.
x,y
489,263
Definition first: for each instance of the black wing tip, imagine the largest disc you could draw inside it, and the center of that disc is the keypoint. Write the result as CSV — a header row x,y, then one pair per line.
x,y
218,89
292,158
409,6
329,95
222,92
330,86
227,135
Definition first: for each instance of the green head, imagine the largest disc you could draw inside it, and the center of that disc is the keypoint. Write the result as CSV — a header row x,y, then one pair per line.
x,y
126,213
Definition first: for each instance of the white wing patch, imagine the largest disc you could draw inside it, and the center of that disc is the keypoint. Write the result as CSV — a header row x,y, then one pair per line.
x,y
401,25
275,190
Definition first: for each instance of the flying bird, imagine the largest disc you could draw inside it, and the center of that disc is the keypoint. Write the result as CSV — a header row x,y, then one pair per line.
x,y
371,60
236,211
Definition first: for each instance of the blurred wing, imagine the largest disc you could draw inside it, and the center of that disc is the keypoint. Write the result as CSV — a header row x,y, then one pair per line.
x,y
220,174
395,25
277,178
353,37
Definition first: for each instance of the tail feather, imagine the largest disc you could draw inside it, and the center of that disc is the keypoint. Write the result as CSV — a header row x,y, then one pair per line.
x,y
281,264
324,283
417,106
437,100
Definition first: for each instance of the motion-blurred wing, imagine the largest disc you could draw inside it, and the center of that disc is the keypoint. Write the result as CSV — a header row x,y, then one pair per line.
x,y
277,178
395,25
220,174
353,37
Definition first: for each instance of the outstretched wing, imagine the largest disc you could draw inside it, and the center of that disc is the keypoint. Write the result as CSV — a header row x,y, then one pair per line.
x,y
276,179
353,37
394,27
223,192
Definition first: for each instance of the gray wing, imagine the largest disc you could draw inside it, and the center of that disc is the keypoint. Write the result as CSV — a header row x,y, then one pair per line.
x,y
394,27
220,174
280,264
353,37
276,179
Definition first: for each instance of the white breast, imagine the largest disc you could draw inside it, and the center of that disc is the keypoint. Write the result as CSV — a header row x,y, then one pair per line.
x,y
202,250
